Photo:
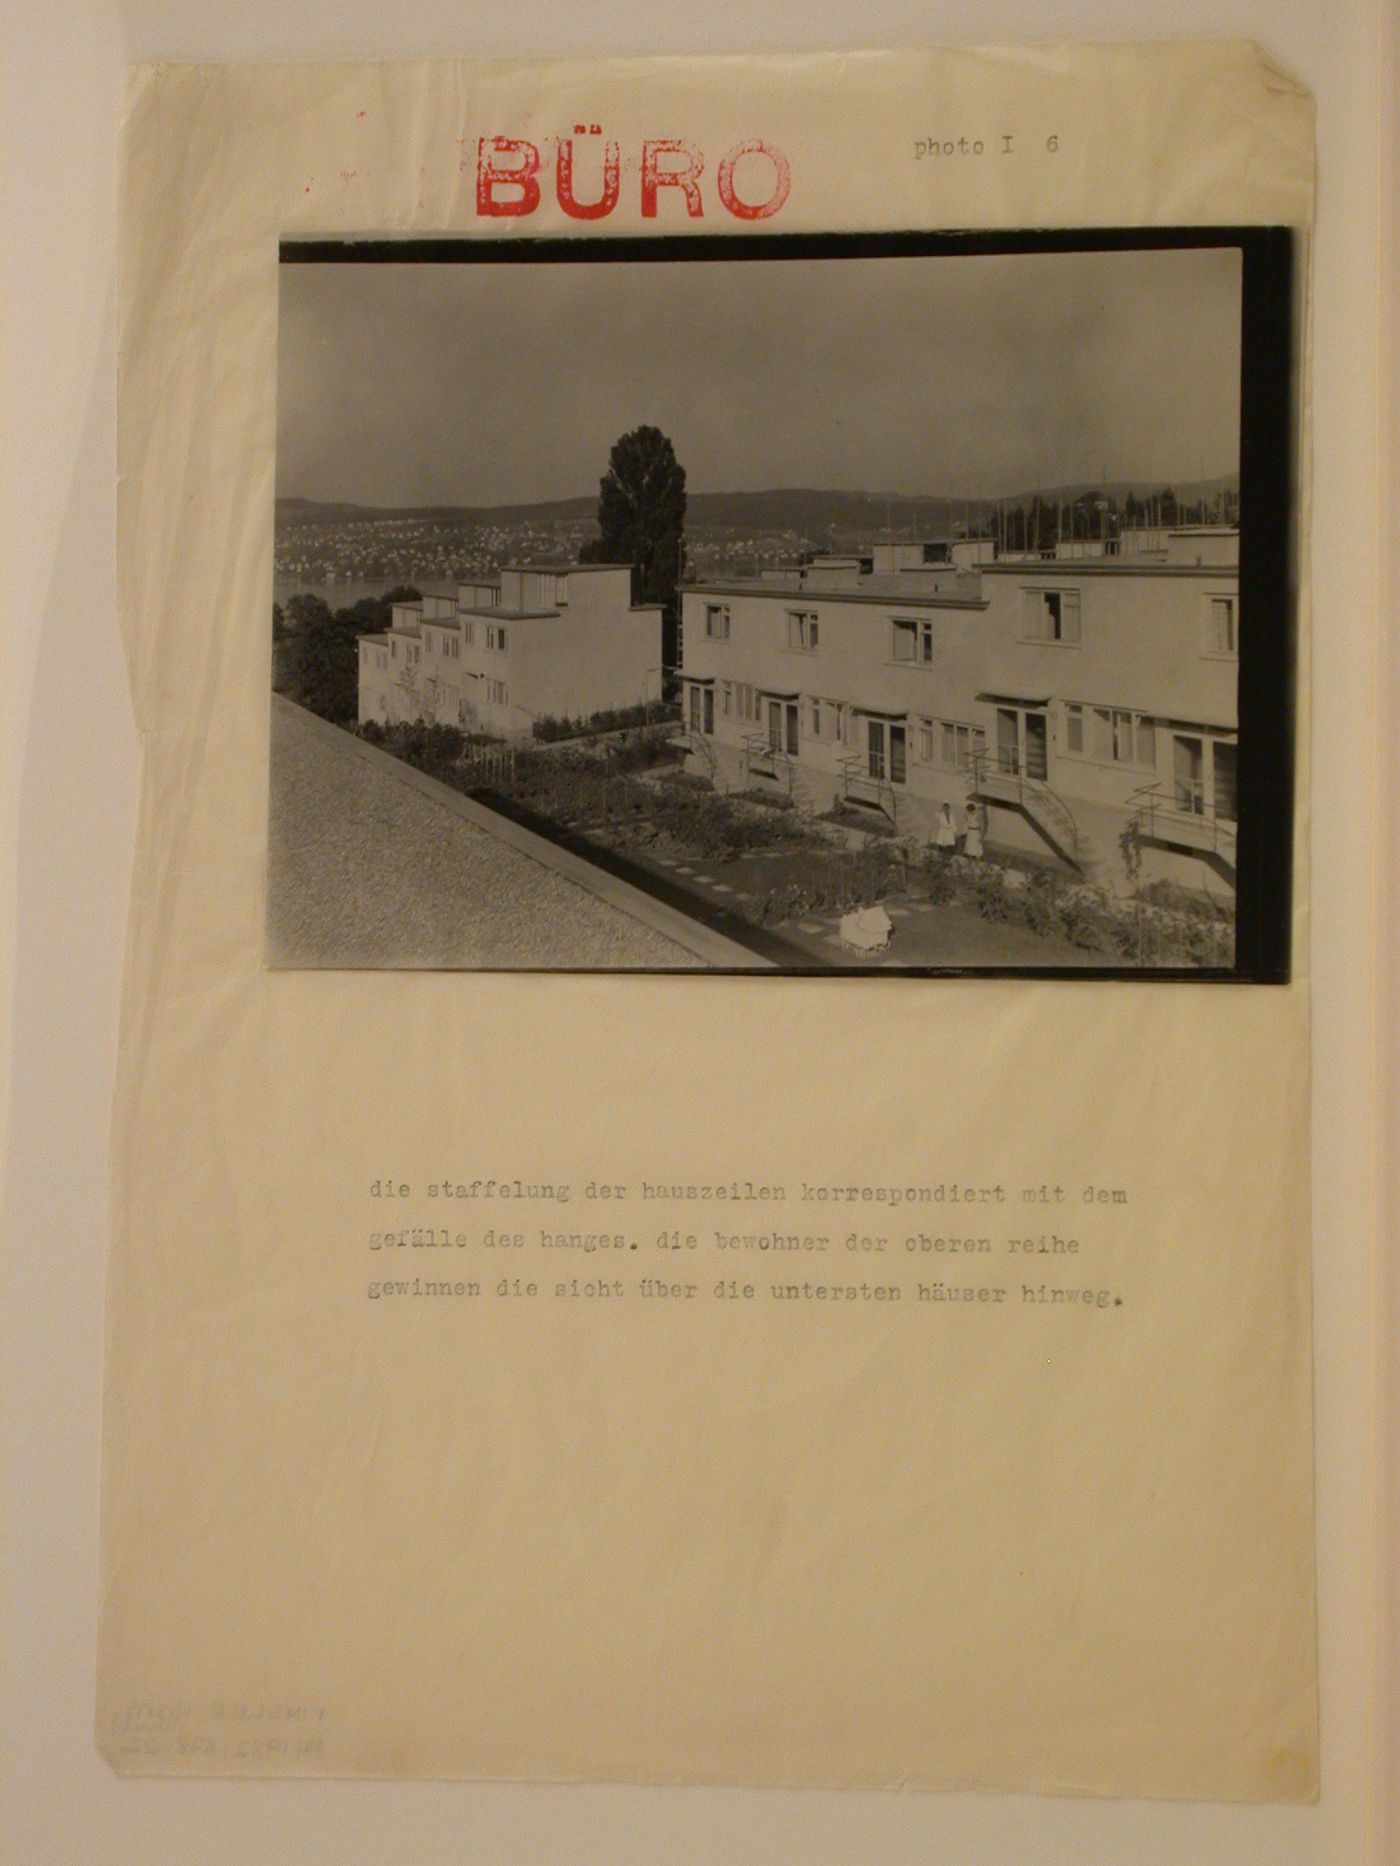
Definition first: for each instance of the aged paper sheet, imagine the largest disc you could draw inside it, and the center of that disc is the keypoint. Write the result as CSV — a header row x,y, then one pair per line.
x,y
540,1531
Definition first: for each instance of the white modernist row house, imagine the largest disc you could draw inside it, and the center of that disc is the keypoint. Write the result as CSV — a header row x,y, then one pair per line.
x,y
1067,699
537,642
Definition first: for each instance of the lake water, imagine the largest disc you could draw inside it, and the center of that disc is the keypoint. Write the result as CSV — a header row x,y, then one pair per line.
x,y
345,595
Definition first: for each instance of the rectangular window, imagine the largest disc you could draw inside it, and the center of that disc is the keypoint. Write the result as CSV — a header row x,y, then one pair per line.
x,y
926,741
912,641
1221,636
717,621
561,592
1119,737
469,631
1049,615
802,630
956,744
1074,729
726,699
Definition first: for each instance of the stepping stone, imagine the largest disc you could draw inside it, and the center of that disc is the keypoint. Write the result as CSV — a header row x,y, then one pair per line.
x,y
708,880
811,926
681,869
898,913
721,887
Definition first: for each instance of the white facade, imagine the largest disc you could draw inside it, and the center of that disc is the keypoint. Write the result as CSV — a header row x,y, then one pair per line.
x,y
538,642
1067,700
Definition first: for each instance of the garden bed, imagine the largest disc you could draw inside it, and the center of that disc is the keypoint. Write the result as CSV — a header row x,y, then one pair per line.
x,y
781,867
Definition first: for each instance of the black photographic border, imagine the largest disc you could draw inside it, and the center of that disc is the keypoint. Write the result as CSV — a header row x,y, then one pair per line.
x,y
1268,537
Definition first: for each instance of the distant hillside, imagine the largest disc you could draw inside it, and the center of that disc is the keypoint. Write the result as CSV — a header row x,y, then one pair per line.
x,y
811,511
317,512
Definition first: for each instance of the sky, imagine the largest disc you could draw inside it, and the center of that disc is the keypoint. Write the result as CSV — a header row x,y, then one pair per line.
x,y
498,384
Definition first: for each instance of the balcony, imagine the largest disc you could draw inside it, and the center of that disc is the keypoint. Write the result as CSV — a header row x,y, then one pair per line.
x,y
1179,817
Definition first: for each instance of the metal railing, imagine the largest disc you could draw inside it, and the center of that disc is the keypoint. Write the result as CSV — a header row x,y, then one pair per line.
x,y
859,782
760,754
1000,776
1161,814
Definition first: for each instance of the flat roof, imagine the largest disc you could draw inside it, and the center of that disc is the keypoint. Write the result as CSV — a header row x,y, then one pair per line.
x,y
561,569
496,614
1106,567
885,596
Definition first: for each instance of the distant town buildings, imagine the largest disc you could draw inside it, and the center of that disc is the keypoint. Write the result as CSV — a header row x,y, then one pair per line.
x,y
535,642
1080,702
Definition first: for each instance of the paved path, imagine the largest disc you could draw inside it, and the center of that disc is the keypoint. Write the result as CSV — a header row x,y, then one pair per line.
x,y
365,869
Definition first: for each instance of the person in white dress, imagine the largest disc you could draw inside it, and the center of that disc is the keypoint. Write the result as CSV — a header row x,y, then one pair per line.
x,y
945,838
972,842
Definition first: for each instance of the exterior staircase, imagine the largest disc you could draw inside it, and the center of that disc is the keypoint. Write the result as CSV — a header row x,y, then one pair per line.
x,y
991,781
858,787
770,765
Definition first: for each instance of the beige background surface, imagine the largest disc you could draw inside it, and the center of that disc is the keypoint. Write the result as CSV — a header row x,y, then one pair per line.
x,y
1305,1831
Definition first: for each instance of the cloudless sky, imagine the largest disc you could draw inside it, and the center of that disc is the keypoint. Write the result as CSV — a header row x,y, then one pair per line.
x,y
495,384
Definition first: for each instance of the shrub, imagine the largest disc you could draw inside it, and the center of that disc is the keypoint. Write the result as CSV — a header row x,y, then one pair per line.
x,y
551,727
935,879
1086,919
989,895
1040,904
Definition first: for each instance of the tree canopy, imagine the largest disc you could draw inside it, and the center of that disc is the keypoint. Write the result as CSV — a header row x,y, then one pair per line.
x,y
317,662
641,515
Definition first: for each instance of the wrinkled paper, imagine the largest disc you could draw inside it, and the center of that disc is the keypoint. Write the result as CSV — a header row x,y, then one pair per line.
x,y
669,1540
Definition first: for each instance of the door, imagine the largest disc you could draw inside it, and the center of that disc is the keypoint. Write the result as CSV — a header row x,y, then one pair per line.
x,y
898,755
875,748
790,726
1008,741
775,726
1188,773
709,709
1037,738
1226,787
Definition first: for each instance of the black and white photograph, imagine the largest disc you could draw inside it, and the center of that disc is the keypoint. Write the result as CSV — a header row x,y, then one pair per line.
x,y
778,603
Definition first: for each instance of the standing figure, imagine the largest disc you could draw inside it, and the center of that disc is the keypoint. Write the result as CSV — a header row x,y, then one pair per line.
x,y
945,838
972,844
